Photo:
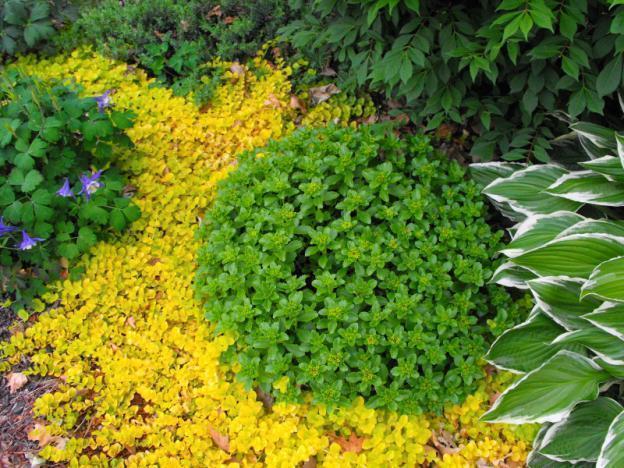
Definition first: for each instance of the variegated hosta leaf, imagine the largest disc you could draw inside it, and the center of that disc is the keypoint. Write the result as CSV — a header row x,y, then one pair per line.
x,y
608,166
526,346
512,276
549,392
606,281
559,299
597,141
485,173
580,436
575,256
603,344
608,317
612,452
619,141
595,226
588,187
524,191
537,460
539,229
616,370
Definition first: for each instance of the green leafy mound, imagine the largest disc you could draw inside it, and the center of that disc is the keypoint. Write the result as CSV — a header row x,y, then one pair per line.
x,y
354,263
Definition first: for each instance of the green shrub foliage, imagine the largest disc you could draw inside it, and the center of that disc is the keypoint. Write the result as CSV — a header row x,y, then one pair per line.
x,y
500,67
29,25
568,250
174,39
53,145
354,263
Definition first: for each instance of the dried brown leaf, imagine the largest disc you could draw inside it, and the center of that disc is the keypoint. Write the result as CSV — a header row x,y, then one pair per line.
x,y
216,11
444,443
352,444
323,93
16,380
222,441
237,68
272,101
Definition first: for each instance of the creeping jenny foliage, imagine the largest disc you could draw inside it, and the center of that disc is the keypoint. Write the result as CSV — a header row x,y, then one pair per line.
x,y
142,381
353,263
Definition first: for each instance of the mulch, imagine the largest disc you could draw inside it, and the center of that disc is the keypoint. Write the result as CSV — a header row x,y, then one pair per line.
x,y
16,418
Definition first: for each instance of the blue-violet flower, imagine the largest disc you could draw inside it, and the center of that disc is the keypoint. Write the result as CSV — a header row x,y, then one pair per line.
x,y
5,228
104,101
90,184
65,191
28,242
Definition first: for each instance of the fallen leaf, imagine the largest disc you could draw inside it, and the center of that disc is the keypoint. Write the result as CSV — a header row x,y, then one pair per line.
x,y
216,11
16,380
444,443
129,190
323,93
445,130
154,261
328,71
41,435
237,68
309,463
295,103
60,442
272,101
222,441
352,444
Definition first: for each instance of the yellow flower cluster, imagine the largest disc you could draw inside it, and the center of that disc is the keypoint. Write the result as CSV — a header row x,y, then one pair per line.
x,y
138,366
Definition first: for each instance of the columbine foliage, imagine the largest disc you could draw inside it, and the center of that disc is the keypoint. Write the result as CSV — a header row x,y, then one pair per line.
x,y
569,252
54,203
28,25
353,263
502,67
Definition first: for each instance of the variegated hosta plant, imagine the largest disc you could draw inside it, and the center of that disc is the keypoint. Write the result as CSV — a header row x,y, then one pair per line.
x,y
567,248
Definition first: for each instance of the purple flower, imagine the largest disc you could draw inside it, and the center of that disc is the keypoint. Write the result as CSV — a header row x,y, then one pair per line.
x,y
65,191
90,184
104,101
5,228
28,242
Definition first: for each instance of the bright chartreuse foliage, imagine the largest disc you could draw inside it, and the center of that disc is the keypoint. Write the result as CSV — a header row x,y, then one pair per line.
x,y
353,263
142,384
58,191
567,249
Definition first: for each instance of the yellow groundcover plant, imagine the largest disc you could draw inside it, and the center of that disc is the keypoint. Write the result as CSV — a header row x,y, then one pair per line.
x,y
137,364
